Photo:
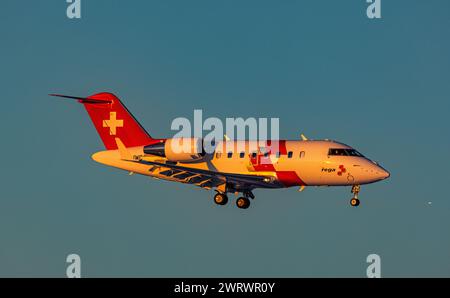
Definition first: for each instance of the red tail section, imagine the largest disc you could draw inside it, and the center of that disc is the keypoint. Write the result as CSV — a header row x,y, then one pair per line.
x,y
113,120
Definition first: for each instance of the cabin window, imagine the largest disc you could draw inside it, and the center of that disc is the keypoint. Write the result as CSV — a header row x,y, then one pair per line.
x,y
253,154
266,154
218,155
230,154
290,154
242,154
302,154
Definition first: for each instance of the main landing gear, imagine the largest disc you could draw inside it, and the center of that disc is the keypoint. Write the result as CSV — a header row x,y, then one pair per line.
x,y
221,199
355,191
242,202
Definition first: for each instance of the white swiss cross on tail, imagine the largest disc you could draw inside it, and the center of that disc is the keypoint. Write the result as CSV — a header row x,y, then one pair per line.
x,y
112,123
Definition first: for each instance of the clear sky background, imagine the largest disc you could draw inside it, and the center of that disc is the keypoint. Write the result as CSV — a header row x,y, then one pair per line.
x,y
322,67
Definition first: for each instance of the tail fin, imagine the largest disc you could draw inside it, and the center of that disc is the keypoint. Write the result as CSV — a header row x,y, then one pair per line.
x,y
113,120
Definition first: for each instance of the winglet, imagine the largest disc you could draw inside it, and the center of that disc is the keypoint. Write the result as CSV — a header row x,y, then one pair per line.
x,y
124,153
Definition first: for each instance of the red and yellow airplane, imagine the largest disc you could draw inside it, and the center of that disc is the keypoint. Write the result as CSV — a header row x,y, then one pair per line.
x,y
277,164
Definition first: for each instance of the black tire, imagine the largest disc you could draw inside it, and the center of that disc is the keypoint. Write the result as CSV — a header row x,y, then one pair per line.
x,y
354,202
243,203
220,199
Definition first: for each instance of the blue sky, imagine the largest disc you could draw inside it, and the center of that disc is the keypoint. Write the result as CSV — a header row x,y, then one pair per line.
x,y
322,67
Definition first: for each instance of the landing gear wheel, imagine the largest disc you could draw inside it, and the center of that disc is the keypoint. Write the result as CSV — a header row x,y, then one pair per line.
x,y
355,191
220,199
243,203
354,202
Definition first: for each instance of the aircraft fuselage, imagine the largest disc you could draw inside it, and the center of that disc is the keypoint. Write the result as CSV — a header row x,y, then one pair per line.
x,y
291,163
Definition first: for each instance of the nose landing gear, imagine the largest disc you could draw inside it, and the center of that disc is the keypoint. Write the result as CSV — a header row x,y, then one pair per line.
x,y
355,191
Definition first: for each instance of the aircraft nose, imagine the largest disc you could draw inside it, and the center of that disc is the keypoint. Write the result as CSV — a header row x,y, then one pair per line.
x,y
382,173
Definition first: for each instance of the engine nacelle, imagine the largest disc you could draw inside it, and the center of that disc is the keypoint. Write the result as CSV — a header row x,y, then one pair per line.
x,y
184,149
178,149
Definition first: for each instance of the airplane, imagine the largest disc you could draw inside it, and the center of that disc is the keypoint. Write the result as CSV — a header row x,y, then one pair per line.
x,y
276,164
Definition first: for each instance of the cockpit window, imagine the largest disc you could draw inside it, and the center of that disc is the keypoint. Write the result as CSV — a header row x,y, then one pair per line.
x,y
344,152
353,152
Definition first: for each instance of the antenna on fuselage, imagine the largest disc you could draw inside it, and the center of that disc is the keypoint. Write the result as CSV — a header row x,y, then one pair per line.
x,y
303,137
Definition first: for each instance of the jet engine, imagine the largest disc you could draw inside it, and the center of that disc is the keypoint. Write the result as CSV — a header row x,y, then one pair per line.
x,y
178,149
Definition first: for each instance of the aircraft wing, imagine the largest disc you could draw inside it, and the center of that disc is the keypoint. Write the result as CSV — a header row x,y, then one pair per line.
x,y
208,179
